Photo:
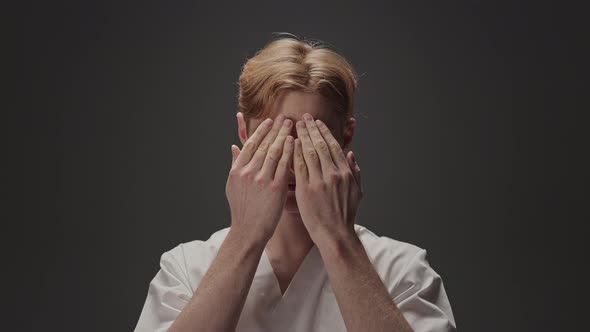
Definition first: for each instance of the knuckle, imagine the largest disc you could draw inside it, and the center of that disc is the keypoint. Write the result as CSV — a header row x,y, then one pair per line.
x,y
275,186
334,146
334,177
247,174
322,146
249,146
274,152
233,172
301,166
263,147
272,157
312,154
260,180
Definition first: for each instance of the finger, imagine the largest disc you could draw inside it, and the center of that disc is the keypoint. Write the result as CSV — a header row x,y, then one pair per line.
x,y
319,144
301,173
335,149
356,171
251,145
235,151
260,154
274,154
285,162
310,155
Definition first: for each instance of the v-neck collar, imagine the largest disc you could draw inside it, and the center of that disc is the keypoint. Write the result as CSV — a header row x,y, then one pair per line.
x,y
310,269
309,294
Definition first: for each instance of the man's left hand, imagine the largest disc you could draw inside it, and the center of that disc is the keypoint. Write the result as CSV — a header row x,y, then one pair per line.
x,y
328,183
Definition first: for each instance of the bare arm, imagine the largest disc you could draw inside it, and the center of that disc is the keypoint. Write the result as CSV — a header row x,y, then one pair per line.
x,y
328,193
256,190
225,285
363,300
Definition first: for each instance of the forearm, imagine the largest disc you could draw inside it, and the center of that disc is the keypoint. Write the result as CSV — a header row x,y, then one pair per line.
x,y
364,302
217,303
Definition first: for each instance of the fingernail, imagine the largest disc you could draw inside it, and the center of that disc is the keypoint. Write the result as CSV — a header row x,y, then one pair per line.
x,y
300,124
307,117
287,123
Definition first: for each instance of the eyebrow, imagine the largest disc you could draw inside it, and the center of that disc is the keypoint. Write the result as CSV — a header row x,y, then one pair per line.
x,y
315,118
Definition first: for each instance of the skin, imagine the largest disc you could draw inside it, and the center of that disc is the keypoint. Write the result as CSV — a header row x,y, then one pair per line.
x,y
299,146
291,242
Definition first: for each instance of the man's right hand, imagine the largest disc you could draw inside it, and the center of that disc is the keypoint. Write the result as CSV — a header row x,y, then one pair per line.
x,y
256,190
256,187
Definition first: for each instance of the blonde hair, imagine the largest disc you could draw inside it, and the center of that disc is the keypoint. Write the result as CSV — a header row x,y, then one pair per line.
x,y
294,63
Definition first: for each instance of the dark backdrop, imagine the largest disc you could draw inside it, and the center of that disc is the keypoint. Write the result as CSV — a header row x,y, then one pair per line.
x,y
468,139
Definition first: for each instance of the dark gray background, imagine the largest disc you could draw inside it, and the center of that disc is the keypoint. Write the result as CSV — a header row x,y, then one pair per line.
x,y
468,138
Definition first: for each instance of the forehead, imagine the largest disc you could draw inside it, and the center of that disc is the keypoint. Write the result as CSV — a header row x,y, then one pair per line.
x,y
293,104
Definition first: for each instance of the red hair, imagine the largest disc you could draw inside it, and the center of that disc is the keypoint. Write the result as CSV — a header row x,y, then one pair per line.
x,y
299,64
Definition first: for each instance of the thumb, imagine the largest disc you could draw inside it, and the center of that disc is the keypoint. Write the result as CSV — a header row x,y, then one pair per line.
x,y
235,151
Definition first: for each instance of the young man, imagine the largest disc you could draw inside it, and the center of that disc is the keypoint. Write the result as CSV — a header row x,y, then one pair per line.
x,y
294,259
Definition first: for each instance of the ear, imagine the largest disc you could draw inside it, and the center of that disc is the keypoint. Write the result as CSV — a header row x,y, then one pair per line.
x,y
242,128
348,133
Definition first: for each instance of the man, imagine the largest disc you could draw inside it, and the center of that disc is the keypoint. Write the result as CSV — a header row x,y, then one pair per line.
x,y
293,258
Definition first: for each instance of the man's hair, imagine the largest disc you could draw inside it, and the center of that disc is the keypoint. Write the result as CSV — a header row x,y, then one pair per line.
x,y
290,62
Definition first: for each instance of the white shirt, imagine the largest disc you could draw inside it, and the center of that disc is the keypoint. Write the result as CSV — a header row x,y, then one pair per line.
x,y
309,303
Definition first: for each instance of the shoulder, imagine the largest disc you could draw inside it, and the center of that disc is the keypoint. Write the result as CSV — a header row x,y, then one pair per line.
x,y
199,250
194,257
395,261
383,248
413,285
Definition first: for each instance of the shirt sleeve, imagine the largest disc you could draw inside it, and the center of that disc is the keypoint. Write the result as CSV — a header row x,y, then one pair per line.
x,y
423,300
168,293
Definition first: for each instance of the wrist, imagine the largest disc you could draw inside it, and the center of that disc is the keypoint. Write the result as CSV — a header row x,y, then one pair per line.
x,y
337,243
248,238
